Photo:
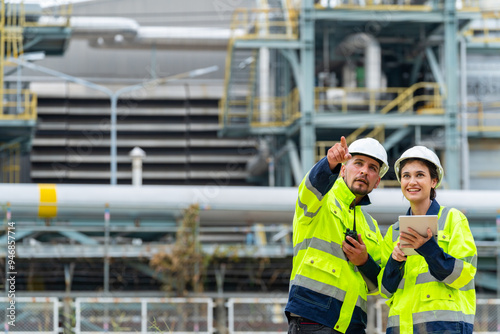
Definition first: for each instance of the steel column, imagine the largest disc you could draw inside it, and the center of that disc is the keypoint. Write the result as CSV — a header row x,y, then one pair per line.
x,y
307,130
452,154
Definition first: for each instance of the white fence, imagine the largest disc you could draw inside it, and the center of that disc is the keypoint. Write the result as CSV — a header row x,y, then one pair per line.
x,y
183,315
257,315
144,315
29,315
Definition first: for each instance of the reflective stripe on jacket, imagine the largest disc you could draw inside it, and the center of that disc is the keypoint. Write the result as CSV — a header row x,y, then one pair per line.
x,y
324,286
430,297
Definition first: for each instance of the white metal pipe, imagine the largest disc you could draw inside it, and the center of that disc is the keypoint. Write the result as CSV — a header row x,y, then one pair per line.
x,y
85,27
220,204
373,57
293,155
463,109
349,76
137,155
120,32
264,82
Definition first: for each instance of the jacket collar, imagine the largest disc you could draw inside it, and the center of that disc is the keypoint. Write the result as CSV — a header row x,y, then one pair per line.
x,y
345,195
433,209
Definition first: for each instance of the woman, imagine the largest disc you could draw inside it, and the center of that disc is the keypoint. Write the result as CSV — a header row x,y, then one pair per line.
x,y
432,292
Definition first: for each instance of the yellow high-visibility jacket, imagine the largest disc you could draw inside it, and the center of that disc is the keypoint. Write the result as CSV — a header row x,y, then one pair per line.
x,y
324,286
432,292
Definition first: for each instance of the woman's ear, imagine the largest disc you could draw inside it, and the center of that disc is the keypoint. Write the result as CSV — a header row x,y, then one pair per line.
x,y
433,183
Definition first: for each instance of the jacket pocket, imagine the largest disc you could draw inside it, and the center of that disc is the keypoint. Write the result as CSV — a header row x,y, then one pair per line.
x,y
370,236
444,240
330,267
436,293
437,296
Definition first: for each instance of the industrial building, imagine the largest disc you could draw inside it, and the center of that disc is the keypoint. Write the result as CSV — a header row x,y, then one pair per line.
x,y
121,118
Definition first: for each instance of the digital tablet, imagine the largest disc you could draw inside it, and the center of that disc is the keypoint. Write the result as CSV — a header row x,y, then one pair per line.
x,y
419,224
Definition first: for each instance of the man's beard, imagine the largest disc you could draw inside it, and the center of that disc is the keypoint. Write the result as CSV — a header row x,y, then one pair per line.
x,y
360,191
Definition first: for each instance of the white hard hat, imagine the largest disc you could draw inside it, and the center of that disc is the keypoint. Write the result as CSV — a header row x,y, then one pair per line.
x,y
372,148
421,152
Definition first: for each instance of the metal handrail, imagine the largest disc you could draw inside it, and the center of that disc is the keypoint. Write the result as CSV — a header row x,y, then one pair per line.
x,y
283,111
28,105
407,5
375,98
483,119
259,23
63,11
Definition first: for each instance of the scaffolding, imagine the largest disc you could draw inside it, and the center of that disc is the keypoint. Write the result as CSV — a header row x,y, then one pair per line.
x,y
347,65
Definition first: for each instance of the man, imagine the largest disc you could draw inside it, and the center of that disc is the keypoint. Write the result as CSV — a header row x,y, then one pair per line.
x,y
332,272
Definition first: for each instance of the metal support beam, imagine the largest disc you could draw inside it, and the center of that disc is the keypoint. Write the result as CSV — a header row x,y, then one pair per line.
x,y
79,237
416,68
19,235
433,63
297,171
463,114
390,121
292,58
396,137
452,140
307,130
272,44
150,272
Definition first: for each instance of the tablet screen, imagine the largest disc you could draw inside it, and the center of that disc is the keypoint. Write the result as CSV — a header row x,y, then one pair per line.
x,y
419,224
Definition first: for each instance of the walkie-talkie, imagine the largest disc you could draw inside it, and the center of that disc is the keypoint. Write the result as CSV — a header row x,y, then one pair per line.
x,y
351,233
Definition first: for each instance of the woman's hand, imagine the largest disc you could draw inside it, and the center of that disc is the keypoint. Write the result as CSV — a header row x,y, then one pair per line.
x,y
413,239
397,254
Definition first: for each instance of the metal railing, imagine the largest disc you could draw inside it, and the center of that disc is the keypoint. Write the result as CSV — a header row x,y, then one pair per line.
x,y
18,104
186,315
423,97
271,23
29,315
396,5
269,112
10,162
12,29
275,111
483,117
322,147
257,315
60,16
252,24
144,315
485,31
